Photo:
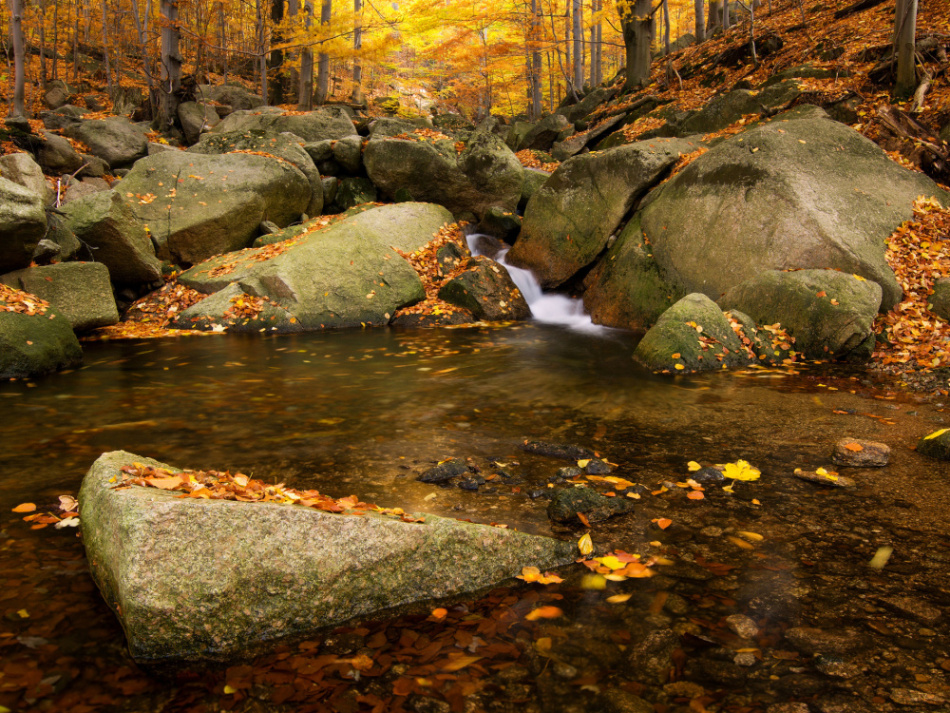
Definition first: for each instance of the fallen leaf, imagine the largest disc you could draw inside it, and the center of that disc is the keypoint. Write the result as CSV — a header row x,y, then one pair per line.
x,y
693,466
439,614
25,507
545,612
856,447
662,522
585,545
695,495
619,598
583,518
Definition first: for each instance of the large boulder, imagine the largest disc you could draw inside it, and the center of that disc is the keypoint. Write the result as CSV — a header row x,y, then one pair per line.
x,y
80,291
196,118
728,108
115,140
194,579
22,224
485,174
21,168
229,98
286,146
196,206
34,339
544,133
568,220
829,313
485,289
56,155
801,191
626,289
346,275
692,335
106,223
324,123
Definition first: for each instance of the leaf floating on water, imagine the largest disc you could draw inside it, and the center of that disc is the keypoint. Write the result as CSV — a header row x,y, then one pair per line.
x,y
693,466
695,495
741,470
533,574
583,462
585,545
439,614
545,612
662,522
25,507
880,558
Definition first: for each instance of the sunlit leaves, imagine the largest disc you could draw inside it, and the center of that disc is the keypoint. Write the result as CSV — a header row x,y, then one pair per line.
x,y
533,574
740,470
544,612
585,545
25,507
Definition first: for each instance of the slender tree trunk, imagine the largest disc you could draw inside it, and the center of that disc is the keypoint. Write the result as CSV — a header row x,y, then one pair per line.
x,y
534,60
276,56
42,29
76,44
715,17
171,64
223,41
726,20
905,48
141,29
700,30
357,96
596,44
578,17
323,61
55,39
19,57
550,82
105,49
262,46
305,89
638,31
666,29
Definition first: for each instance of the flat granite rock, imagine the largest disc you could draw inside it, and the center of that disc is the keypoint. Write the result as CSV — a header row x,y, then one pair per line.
x,y
194,579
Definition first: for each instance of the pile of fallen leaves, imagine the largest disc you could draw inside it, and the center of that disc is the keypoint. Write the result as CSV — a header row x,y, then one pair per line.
x,y
13,300
529,159
425,262
148,317
911,336
430,135
68,515
217,485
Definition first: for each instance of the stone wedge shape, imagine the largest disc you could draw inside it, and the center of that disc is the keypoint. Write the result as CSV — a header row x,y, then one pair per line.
x,y
193,579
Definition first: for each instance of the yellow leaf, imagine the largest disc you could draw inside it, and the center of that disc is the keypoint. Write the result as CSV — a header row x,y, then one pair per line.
x,y
530,574
881,557
936,434
23,614
739,543
583,463
619,598
753,536
693,466
679,367
740,470
585,545
593,581
611,562
543,644
861,279
228,690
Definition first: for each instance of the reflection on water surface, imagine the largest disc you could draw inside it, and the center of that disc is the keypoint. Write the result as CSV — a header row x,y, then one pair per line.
x,y
366,412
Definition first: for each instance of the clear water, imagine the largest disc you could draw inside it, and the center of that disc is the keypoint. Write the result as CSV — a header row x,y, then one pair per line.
x,y
364,412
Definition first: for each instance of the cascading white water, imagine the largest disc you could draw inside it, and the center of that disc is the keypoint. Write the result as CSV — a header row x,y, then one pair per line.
x,y
549,308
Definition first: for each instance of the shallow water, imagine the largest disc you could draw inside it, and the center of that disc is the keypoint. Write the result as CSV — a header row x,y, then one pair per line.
x,y
364,412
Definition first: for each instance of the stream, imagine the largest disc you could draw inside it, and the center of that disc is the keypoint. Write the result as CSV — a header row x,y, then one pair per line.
x,y
792,621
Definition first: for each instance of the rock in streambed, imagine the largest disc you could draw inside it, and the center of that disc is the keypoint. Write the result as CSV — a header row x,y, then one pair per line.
x,y
199,579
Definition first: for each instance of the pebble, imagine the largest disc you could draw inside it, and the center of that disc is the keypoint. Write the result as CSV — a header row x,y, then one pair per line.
x,y
745,659
564,670
910,697
741,625
598,467
857,453
571,471
837,668
684,689
811,641
711,531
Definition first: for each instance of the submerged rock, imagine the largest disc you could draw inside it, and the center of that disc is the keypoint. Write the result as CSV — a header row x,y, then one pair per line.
x,y
558,450
566,504
195,579
445,471
936,444
859,453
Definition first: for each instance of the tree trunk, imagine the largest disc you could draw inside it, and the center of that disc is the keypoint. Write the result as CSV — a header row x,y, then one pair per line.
x,y
534,60
905,31
42,28
305,87
19,57
223,42
323,61
638,30
715,17
357,96
578,17
700,30
276,57
262,46
596,46
105,49
141,30
171,64
726,20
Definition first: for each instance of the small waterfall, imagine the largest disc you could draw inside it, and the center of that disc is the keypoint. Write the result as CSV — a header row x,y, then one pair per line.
x,y
550,308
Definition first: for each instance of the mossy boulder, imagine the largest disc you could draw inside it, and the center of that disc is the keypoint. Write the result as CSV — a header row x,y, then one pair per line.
x,y
115,140
626,289
80,291
485,289
196,206
107,223
35,344
566,504
692,335
801,191
346,275
936,444
22,224
829,313
192,579
483,175
568,220
286,146
323,123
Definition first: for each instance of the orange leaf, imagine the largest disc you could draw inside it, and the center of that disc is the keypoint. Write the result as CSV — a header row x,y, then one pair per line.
x,y
169,483
439,614
25,507
547,612
663,522
856,447
457,663
583,518
821,294
695,495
